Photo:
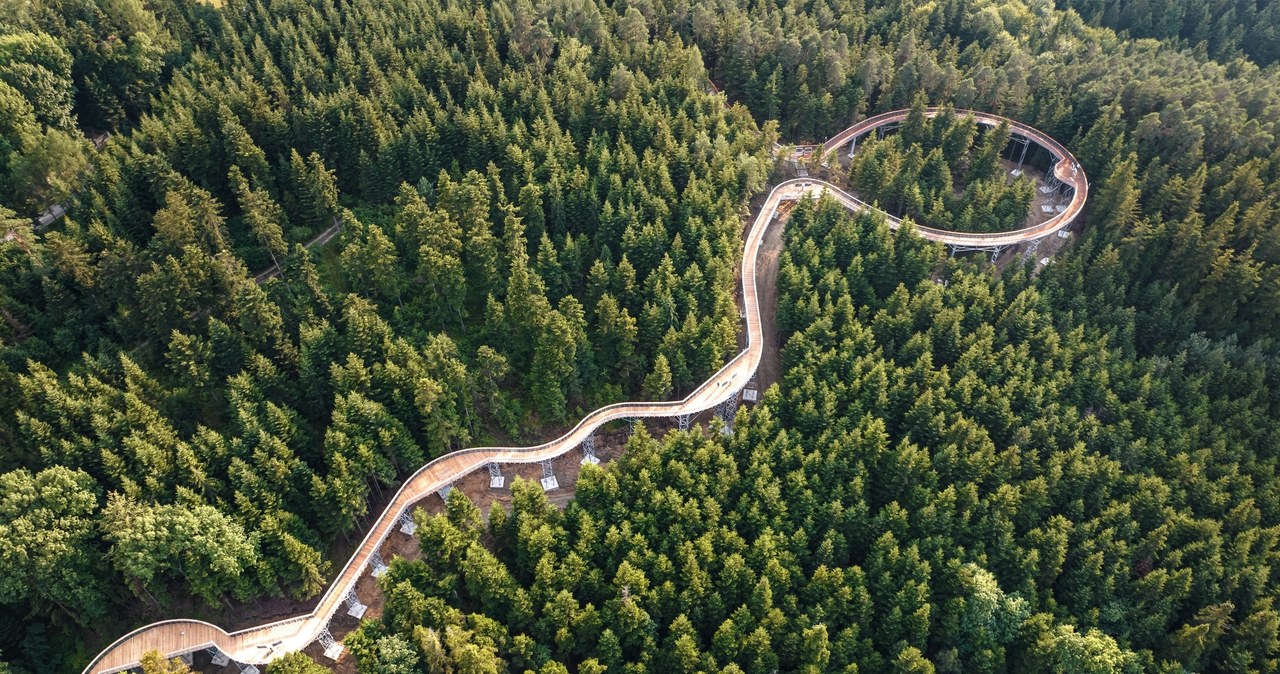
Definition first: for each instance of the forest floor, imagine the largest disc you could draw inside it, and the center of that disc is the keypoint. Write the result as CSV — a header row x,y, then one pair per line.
x,y
1035,216
770,369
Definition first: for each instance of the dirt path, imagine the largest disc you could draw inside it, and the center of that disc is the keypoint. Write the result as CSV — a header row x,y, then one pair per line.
x,y
320,239
770,369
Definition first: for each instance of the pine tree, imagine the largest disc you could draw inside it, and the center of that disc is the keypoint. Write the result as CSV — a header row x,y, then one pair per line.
x,y
264,217
657,384
315,190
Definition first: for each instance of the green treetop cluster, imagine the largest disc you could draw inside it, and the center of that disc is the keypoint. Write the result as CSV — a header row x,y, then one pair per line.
x,y
942,173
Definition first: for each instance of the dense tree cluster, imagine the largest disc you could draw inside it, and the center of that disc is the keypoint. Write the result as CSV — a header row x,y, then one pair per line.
x,y
1202,132
949,479
539,213
1222,28
329,240
941,172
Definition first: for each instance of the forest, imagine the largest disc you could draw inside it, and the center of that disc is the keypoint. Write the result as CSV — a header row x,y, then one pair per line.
x,y
948,480
312,244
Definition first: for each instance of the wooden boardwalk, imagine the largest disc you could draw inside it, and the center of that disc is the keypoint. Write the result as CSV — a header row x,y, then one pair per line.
x,y
259,645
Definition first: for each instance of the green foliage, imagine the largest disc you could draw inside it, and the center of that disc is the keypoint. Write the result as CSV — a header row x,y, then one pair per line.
x,y
295,663
932,172
540,208
947,479
47,547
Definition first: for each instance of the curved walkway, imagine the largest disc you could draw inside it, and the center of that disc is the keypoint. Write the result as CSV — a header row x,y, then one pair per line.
x,y
261,644
1065,170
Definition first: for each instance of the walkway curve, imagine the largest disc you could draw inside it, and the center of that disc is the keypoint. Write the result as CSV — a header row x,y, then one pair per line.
x,y
1065,169
264,643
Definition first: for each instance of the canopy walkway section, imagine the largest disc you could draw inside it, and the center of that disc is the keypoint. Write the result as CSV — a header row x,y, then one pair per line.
x,y
261,644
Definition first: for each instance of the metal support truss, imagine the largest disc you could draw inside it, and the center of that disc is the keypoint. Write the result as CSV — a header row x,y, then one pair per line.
x,y
993,250
325,638
589,450
751,392
885,128
444,492
631,425
332,647
407,526
1030,252
376,565
727,411
496,479
355,607
683,421
1025,143
548,481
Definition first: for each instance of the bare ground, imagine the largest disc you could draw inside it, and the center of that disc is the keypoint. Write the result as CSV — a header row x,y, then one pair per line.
x,y
770,369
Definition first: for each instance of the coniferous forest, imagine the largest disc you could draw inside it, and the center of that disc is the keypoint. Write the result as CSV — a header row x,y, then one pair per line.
x,y
309,245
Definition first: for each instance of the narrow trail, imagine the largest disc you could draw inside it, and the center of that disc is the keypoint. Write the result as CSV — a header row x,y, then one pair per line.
x,y
264,643
319,240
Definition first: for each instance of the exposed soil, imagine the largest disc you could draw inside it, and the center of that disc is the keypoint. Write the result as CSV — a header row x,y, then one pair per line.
x,y
770,369
1049,245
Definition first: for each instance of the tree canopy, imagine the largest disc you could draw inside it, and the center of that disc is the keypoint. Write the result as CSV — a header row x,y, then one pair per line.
x,y
326,241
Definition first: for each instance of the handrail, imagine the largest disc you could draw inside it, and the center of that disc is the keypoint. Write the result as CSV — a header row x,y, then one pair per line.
x,y
258,644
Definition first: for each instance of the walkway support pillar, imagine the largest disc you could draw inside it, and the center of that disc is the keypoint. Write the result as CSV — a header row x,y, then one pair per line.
x,y
332,647
355,607
589,451
548,481
496,479
727,411
377,567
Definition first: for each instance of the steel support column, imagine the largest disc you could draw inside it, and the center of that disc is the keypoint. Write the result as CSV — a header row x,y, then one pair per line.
x,y
332,647
1031,249
589,450
727,411
548,481
377,567
355,607
496,478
